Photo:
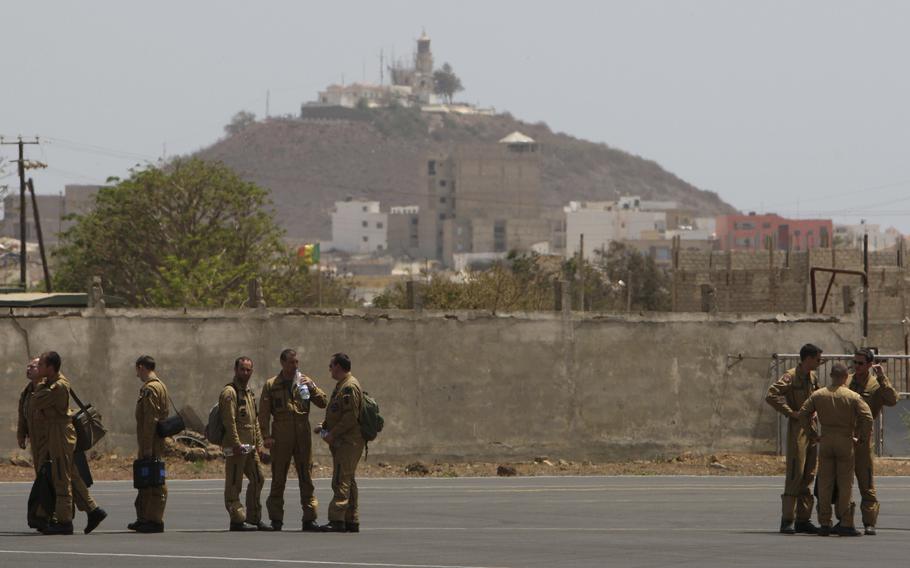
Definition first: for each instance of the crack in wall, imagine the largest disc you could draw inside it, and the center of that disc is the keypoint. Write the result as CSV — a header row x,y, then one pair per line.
x,y
24,332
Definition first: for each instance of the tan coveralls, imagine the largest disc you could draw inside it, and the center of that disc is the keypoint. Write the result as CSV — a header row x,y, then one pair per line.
x,y
54,438
876,396
24,428
342,420
238,414
787,395
842,414
151,407
284,416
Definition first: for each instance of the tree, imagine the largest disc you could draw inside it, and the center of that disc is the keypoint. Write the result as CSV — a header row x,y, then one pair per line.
x,y
239,122
189,234
446,82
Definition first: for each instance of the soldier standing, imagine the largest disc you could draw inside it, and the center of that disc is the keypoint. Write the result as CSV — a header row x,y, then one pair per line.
x,y
877,393
151,407
787,396
845,419
25,435
241,444
284,410
54,435
341,431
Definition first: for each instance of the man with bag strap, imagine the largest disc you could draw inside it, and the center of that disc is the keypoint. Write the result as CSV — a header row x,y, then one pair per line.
x,y
242,443
284,420
53,423
25,435
151,407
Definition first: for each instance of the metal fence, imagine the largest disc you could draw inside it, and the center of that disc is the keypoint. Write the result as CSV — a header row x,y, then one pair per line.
x,y
889,424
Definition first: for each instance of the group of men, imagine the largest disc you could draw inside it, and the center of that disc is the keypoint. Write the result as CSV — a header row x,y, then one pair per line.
x,y
839,450
278,425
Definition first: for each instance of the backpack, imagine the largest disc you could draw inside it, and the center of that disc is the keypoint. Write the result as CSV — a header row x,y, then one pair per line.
x,y
214,428
370,420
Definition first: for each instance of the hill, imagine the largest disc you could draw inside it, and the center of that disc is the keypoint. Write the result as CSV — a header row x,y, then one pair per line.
x,y
309,163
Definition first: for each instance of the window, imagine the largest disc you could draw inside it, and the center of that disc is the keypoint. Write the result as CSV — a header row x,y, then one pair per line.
x,y
766,225
431,167
442,183
442,199
499,236
743,226
366,239
414,221
364,208
378,225
442,216
378,247
364,224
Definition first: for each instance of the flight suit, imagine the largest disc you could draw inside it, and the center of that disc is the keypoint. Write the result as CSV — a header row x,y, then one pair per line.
x,y
876,395
54,437
342,420
843,415
151,407
786,395
238,414
25,429
284,416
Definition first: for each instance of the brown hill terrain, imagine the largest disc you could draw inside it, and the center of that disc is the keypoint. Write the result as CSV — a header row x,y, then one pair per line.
x,y
310,163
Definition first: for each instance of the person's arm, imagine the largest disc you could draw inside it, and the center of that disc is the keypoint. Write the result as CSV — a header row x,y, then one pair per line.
x,y
349,407
227,402
863,420
257,432
777,396
887,391
22,424
318,396
149,403
54,395
805,418
265,416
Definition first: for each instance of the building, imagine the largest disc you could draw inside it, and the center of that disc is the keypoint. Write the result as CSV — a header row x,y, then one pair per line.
x,y
851,236
359,227
603,221
404,232
53,211
752,232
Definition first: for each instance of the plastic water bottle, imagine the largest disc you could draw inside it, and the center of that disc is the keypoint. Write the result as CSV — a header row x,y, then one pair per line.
x,y
302,388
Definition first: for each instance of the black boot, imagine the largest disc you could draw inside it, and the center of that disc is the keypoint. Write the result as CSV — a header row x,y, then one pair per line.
x,y
333,526
260,526
58,528
310,526
150,527
806,527
243,527
824,530
847,531
95,517
277,525
786,527
352,527
134,525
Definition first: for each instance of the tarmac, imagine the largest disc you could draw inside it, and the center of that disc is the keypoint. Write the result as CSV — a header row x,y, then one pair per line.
x,y
472,522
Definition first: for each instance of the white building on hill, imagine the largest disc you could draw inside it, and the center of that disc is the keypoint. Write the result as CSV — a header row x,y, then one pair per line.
x,y
359,227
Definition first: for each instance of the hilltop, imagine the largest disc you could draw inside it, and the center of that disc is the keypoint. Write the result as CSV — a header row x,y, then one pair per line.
x,y
379,154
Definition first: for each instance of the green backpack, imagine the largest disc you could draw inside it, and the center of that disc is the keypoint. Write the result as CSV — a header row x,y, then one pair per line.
x,y
371,421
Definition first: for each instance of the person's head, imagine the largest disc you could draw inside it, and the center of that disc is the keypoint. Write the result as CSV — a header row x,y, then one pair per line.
x,y
838,374
49,364
862,361
810,357
243,369
340,366
31,370
145,365
289,362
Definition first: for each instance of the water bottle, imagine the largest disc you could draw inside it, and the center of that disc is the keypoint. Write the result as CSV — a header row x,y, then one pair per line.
x,y
302,388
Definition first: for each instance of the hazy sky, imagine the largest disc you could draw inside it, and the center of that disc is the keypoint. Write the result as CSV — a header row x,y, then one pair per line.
x,y
795,107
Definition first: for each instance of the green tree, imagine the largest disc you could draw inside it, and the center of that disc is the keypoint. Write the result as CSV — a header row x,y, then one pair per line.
x,y
649,284
239,122
189,234
446,82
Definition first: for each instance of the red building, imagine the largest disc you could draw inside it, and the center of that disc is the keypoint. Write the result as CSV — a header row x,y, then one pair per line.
x,y
750,232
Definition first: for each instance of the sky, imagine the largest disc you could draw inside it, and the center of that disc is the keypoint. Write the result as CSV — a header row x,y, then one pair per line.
x,y
797,108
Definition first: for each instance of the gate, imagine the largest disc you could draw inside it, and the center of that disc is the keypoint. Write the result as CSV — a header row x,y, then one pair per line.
x,y
891,428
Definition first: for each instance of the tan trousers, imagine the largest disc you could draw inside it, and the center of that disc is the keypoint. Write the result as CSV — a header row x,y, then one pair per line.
x,y
68,485
835,465
865,480
151,501
802,461
235,468
345,457
292,442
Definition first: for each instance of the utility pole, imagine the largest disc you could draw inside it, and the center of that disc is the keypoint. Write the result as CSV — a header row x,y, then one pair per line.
x,y
22,217
47,272
268,95
381,68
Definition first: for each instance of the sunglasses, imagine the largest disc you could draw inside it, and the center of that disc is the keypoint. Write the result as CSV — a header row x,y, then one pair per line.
x,y
859,363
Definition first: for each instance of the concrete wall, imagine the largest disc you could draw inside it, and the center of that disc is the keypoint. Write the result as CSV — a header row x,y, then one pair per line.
x,y
451,385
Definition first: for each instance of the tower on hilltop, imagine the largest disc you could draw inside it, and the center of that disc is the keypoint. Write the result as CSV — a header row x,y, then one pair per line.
x,y
422,80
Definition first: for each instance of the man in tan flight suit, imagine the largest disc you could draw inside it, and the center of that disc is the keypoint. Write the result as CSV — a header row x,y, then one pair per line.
x,y
24,434
787,396
243,442
151,407
284,420
876,392
845,419
341,431
54,436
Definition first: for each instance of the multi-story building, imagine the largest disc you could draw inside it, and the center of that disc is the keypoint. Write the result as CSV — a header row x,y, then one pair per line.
x,y
851,236
52,209
404,233
603,221
752,232
359,226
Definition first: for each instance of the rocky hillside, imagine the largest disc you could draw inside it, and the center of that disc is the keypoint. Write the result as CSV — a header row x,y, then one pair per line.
x,y
379,154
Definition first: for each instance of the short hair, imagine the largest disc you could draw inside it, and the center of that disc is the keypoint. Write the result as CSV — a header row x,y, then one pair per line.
x,y
287,353
839,369
342,360
809,350
867,353
52,358
147,362
240,360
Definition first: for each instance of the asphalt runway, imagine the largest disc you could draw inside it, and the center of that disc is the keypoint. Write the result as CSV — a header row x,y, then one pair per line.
x,y
472,522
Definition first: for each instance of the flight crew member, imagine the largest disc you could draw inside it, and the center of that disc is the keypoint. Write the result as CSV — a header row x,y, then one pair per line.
x,y
25,435
787,396
284,411
242,441
844,419
54,435
876,392
151,407
341,429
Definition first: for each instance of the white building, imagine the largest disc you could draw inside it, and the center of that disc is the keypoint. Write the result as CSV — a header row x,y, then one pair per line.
x,y
604,221
359,227
851,236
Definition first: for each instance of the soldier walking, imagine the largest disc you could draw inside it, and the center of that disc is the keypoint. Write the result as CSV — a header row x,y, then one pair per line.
x,y
151,407
787,396
845,419
877,392
284,421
